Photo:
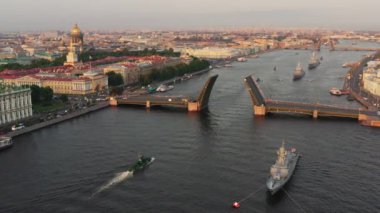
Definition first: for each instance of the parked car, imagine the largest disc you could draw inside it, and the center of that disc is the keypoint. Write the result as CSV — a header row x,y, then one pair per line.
x,y
18,127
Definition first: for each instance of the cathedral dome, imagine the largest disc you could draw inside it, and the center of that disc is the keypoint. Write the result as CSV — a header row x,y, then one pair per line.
x,y
75,31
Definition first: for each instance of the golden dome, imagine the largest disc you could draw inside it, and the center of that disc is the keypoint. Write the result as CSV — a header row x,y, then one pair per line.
x,y
75,30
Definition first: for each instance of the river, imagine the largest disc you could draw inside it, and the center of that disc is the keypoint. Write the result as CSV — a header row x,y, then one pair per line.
x,y
204,161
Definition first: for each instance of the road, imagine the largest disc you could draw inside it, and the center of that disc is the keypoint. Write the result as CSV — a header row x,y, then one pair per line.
x,y
354,84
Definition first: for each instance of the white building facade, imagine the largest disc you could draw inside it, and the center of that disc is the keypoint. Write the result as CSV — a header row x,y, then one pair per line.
x,y
371,78
212,53
15,104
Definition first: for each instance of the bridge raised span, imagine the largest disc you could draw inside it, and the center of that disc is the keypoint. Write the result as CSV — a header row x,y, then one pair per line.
x,y
189,103
262,106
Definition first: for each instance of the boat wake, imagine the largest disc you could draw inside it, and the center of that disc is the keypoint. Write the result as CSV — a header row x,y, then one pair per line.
x,y
119,177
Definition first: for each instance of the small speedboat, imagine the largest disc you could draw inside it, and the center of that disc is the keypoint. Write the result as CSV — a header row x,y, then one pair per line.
x,y
5,142
335,91
141,164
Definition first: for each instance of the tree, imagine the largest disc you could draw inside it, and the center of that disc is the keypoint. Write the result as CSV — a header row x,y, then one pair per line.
x,y
41,94
35,94
64,98
46,94
172,71
115,79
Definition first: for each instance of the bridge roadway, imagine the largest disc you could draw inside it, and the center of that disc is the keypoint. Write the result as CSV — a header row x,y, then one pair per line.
x,y
155,100
311,109
191,104
262,106
335,48
350,48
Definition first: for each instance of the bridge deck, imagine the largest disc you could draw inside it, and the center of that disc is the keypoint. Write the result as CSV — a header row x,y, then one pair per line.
x,y
305,108
257,95
155,100
274,106
350,48
192,104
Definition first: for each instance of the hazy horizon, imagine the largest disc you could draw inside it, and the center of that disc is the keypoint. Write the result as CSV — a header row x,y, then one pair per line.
x,y
44,15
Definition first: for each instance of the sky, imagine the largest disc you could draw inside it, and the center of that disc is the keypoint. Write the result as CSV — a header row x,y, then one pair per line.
x,y
42,15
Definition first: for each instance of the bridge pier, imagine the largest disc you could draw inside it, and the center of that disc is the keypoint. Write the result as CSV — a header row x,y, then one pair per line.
x,y
362,117
259,110
315,114
193,106
113,101
369,120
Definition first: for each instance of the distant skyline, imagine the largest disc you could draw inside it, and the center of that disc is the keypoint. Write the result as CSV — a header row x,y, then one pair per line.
x,y
44,15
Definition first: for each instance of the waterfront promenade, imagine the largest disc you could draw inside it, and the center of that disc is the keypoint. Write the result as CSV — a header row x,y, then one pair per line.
x,y
353,83
69,116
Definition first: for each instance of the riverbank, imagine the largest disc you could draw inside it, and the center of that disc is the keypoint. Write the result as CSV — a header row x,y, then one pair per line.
x,y
180,78
44,124
354,84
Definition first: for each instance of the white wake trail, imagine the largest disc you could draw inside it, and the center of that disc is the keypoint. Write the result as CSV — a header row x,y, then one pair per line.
x,y
119,177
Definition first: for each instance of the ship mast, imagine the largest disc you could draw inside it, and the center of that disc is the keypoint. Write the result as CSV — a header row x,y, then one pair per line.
x,y
281,154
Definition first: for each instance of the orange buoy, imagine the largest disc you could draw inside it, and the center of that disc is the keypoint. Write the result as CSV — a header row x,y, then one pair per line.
x,y
236,205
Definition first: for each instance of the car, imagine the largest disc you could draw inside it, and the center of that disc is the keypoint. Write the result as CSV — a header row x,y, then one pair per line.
x,y
18,127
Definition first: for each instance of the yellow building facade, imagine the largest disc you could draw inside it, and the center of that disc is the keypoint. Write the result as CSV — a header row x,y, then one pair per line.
x,y
64,85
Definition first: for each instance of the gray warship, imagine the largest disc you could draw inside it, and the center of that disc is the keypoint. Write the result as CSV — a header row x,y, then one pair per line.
x,y
314,61
283,169
298,73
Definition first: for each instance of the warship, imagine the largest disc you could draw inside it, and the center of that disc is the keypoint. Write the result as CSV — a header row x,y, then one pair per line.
x,y
298,72
314,61
283,169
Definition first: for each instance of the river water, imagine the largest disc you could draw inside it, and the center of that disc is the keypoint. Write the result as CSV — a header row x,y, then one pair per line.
x,y
204,161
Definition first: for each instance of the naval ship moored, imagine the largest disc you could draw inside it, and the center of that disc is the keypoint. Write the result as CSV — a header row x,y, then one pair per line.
x,y
283,169
298,73
314,61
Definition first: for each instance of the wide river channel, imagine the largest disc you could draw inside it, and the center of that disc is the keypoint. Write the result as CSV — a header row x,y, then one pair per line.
x,y
204,161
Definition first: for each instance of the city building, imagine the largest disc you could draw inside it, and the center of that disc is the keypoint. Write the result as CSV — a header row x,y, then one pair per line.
x,y
371,78
76,46
47,56
61,83
129,72
211,53
15,103
76,39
